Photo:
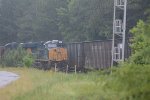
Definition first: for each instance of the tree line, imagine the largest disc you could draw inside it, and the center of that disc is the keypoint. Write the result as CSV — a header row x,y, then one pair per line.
x,y
68,20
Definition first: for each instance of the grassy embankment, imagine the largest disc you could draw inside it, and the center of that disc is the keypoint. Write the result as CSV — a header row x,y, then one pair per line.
x,y
122,84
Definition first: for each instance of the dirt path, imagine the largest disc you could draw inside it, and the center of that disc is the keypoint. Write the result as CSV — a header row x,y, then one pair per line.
x,y
7,77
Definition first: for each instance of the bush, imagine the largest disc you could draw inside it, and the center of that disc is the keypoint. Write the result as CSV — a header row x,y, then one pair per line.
x,y
141,43
16,58
28,60
128,82
142,57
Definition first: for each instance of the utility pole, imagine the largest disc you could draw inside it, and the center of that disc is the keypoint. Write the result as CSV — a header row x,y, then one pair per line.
x,y
119,31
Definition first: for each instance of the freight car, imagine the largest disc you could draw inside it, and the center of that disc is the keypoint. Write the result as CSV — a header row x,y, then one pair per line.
x,y
92,54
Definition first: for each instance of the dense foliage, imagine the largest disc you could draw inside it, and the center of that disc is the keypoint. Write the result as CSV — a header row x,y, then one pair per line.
x,y
129,82
28,60
17,58
70,20
86,20
141,43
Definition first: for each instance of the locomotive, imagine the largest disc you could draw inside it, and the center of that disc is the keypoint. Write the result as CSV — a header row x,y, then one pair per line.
x,y
48,54
56,51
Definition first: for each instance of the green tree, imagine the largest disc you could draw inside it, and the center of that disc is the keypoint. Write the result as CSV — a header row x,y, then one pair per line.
x,y
86,20
141,43
70,20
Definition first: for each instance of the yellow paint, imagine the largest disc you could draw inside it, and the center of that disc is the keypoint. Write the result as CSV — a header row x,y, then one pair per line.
x,y
58,54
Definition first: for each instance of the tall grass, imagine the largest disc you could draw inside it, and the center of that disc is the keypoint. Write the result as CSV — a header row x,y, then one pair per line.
x,y
130,82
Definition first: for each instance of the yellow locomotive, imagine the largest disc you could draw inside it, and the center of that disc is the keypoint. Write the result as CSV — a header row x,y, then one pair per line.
x,y
56,51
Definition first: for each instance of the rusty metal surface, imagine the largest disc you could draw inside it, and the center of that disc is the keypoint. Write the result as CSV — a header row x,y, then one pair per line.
x,y
95,54
75,54
92,55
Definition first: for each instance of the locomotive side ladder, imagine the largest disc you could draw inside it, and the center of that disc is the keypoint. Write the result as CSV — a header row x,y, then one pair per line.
x,y
119,31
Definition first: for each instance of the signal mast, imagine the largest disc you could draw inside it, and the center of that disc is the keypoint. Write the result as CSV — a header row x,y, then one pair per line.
x,y
119,31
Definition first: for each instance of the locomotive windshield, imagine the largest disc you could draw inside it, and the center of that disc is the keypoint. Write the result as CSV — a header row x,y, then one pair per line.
x,y
53,44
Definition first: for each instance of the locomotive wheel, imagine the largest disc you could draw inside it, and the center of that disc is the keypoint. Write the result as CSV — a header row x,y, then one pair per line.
x,y
45,65
60,65
42,64
37,65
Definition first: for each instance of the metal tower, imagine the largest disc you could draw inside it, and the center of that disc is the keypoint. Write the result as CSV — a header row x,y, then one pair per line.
x,y
119,31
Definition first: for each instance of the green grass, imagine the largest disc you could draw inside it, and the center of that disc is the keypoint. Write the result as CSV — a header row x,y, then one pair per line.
x,y
46,85
122,84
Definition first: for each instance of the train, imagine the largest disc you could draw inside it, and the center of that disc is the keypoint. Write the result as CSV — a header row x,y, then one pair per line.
x,y
67,56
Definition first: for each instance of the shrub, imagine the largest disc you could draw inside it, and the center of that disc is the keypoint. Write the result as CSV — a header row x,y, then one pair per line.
x,y
15,58
28,60
138,41
142,57
129,82
141,43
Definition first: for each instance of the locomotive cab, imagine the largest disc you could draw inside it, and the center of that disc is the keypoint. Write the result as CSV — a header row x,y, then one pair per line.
x,y
56,51
37,49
